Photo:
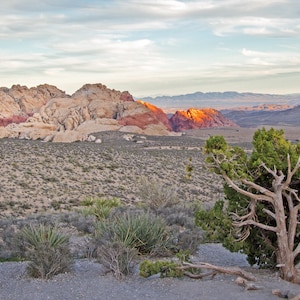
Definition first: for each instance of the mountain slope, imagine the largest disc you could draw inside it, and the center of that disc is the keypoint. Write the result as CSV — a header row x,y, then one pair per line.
x,y
220,100
289,117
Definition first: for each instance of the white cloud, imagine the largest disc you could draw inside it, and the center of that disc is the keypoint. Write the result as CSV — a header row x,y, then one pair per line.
x,y
148,42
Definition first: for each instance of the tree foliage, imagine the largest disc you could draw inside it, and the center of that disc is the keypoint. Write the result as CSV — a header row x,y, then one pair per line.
x,y
262,193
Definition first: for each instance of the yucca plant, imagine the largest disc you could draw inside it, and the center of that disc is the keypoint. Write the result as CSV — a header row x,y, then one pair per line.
x,y
100,207
47,251
144,231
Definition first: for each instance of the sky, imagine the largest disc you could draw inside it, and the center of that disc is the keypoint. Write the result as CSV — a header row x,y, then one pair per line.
x,y
152,47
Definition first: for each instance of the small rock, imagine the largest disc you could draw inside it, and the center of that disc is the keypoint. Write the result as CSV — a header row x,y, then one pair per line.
x,y
91,138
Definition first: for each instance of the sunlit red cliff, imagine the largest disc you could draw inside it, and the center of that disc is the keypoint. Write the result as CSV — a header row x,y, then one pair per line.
x,y
199,118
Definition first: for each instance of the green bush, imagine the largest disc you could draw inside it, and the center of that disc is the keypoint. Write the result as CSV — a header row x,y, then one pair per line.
x,y
47,251
164,268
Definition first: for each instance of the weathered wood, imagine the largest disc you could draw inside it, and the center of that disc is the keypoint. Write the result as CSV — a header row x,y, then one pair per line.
x,y
224,270
247,285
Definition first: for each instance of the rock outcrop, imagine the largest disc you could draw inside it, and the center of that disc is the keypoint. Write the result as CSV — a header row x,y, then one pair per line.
x,y
20,101
199,118
49,114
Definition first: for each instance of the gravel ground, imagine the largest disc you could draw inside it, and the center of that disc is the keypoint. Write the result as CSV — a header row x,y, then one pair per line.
x,y
88,280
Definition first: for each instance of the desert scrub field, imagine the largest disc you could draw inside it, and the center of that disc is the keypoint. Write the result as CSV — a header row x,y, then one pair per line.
x,y
42,177
69,185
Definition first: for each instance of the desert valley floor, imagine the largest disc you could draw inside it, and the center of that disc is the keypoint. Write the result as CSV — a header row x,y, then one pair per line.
x,y
41,178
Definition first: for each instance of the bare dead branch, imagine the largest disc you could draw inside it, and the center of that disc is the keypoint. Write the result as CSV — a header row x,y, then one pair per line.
x,y
223,270
258,197
270,195
250,215
290,172
244,234
254,223
293,222
201,275
269,213
294,193
296,252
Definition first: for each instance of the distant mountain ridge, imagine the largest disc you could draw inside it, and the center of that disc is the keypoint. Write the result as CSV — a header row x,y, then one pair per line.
x,y
221,100
254,118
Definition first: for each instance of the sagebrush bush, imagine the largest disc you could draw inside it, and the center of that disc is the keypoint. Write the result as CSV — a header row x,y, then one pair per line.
x,y
117,257
47,251
183,231
154,194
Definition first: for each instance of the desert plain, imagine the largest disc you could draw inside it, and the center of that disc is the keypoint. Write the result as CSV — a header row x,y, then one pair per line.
x,y
52,179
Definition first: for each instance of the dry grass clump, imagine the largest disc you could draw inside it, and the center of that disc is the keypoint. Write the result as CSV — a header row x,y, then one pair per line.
x,y
154,193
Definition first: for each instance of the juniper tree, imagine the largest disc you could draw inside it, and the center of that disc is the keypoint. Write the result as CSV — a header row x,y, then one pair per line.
x,y
267,181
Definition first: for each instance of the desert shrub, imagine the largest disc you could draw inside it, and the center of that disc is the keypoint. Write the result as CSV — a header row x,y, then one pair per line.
x,y
84,224
117,257
155,194
47,251
185,235
185,239
142,231
99,207
164,268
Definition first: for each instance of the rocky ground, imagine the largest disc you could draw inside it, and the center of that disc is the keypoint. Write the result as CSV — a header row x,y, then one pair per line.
x,y
41,179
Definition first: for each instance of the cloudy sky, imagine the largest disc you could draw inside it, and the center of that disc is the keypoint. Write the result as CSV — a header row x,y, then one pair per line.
x,y
152,47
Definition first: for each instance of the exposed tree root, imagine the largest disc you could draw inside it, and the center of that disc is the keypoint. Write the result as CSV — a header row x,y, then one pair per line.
x,y
247,285
216,269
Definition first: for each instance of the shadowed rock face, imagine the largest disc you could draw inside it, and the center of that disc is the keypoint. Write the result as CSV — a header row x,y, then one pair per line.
x,y
199,118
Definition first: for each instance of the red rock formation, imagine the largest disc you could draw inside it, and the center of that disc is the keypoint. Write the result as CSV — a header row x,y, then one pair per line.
x,y
198,118
92,108
47,113
13,119
158,113
20,102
